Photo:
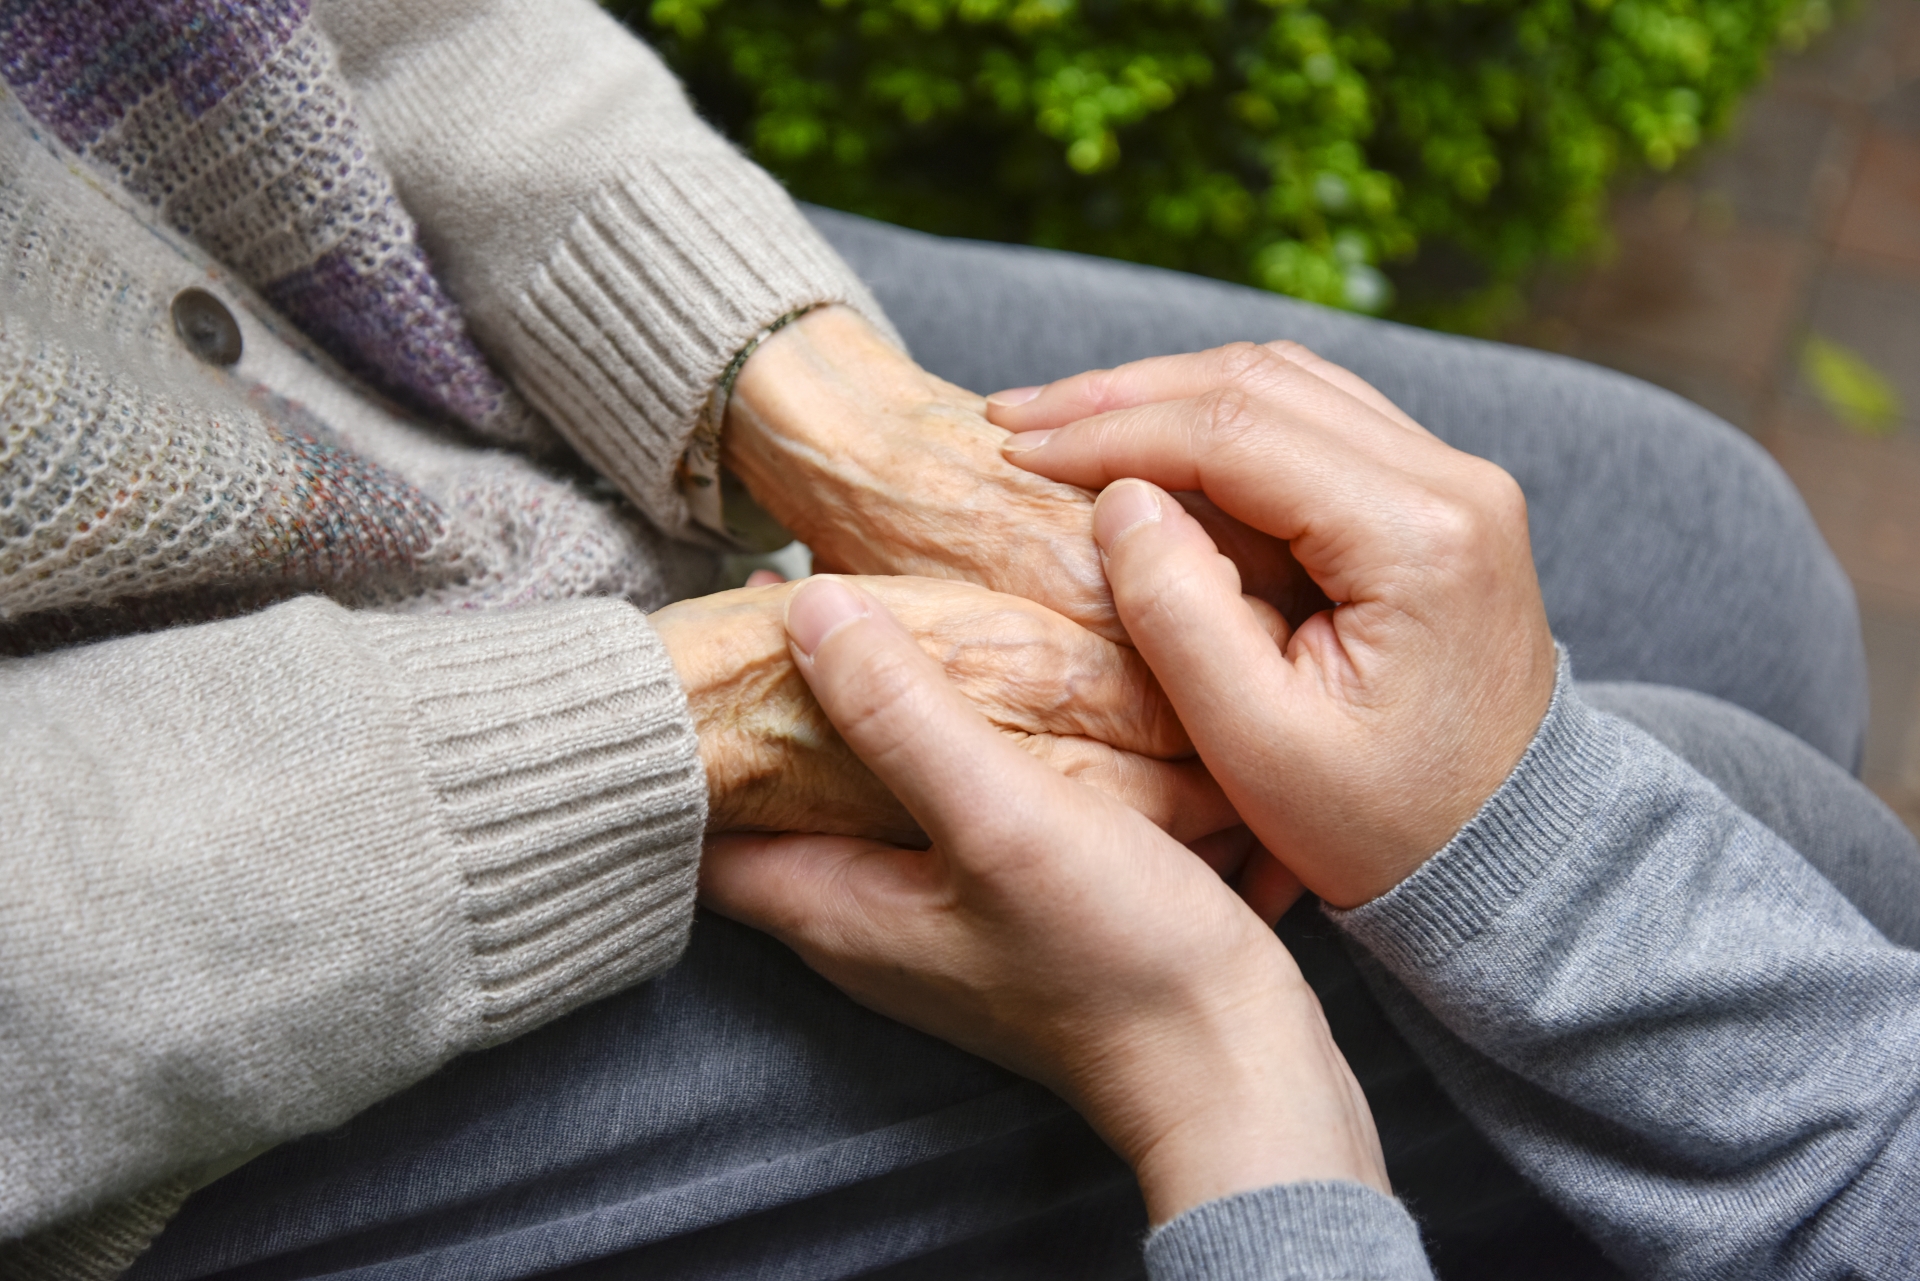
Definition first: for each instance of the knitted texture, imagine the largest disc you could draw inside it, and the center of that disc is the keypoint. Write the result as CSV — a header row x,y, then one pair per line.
x,y
1662,1015
1321,1230
608,248
229,120
540,809
101,1245
465,825
107,491
140,487
331,848
280,859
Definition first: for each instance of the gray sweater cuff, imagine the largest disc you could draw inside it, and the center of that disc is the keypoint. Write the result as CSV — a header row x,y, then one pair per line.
x,y
566,775
1522,828
1325,1230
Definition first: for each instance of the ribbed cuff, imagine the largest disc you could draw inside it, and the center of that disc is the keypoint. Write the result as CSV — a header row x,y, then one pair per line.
x,y
647,299
567,775
1325,1230
97,1246
1525,826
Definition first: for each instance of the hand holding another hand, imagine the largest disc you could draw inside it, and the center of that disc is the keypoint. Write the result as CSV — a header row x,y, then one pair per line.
x,y
1056,931
1050,928
1085,706
1356,744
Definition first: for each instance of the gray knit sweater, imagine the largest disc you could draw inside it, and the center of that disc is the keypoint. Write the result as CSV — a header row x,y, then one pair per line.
x,y
1659,1012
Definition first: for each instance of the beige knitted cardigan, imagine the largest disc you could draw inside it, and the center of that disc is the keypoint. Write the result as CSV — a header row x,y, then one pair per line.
x,y
333,745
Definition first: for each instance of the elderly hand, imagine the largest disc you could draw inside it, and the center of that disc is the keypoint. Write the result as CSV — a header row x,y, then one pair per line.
x,y
1050,929
1084,705
1357,743
881,468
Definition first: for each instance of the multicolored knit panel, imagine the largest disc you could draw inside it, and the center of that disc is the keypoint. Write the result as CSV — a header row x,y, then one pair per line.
x,y
112,491
228,118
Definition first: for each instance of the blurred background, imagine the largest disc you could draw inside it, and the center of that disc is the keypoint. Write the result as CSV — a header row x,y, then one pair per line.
x,y
1720,196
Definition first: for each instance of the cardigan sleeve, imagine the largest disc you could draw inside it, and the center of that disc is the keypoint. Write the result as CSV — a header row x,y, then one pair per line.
x,y
608,249
256,875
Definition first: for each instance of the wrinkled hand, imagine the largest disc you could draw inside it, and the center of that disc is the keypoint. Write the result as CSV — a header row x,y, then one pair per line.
x,y
881,468
1356,744
1051,929
1083,705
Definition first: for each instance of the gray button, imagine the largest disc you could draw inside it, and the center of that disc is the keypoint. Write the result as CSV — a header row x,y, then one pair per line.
x,y
206,327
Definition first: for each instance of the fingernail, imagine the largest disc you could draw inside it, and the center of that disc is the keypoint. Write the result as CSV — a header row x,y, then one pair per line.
x,y
1025,441
1123,505
820,607
1013,397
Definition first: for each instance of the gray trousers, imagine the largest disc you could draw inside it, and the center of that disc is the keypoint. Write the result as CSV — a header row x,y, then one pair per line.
x,y
738,1118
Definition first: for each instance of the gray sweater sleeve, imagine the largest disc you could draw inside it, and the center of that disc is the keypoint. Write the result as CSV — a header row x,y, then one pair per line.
x,y
1321,1231
1663,1015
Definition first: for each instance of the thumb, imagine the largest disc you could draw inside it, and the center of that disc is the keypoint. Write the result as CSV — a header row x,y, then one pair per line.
x,y
1213,650
895,708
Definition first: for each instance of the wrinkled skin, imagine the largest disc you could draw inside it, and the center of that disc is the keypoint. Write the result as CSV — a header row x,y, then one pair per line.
x,y
1057,932
881,468
1078,702
1051,929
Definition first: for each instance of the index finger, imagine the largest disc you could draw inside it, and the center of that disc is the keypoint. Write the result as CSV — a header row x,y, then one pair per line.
x,y
1181,377
1282,468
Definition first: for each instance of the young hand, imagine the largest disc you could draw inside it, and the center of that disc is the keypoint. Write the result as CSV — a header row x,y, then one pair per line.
x,y
1356,744
1051,929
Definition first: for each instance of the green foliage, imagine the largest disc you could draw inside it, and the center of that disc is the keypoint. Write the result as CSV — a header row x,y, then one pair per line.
x,y
1308,146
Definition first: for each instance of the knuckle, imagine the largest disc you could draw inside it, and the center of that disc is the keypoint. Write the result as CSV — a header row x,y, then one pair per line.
x,y
1287,352
1233,418
1288,349
1505,500
1485,508
1453,522
1241,361
1104,389
1254,366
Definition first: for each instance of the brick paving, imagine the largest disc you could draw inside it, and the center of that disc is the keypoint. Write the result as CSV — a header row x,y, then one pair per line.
x,y
1803,223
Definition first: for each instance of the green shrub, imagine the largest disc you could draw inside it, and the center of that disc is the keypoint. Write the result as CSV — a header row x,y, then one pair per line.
x,y
1330,149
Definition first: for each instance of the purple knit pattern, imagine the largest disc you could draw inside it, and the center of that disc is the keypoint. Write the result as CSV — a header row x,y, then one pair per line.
x,y
391,315
80,65
371,298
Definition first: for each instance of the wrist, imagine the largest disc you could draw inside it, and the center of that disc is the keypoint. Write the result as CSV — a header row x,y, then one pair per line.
x,y
730,653
772,760
808,426
1254,1093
